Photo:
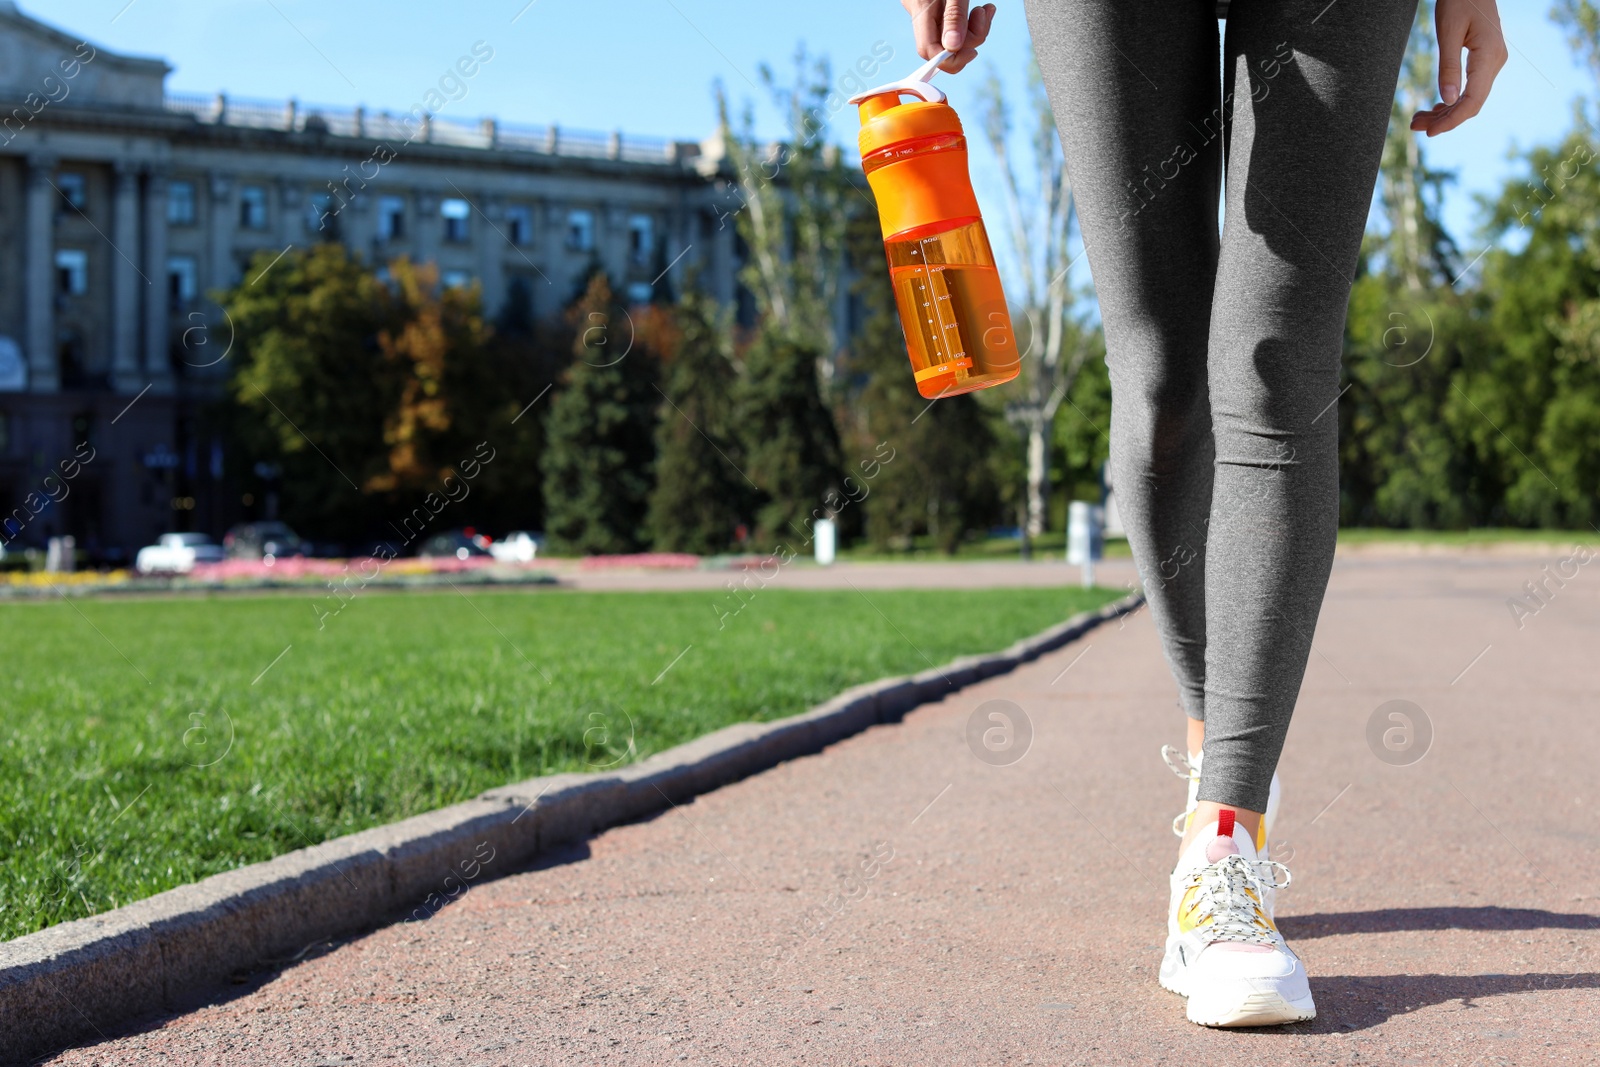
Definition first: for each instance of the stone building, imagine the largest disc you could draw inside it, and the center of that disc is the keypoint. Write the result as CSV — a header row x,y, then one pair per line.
x,y
122,206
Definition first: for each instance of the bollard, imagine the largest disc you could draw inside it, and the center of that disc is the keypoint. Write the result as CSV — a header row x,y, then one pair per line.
x,y
824,529
1085,537
59,555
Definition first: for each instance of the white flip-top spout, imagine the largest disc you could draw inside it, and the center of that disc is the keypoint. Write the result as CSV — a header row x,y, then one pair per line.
x,y
918,84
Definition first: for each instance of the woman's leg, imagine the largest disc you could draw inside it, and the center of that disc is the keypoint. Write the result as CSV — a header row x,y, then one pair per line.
x,y
1135,89
1311,85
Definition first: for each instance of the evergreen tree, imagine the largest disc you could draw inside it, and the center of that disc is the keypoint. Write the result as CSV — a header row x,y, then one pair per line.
x,y
700,494
941,480
788,436
600,447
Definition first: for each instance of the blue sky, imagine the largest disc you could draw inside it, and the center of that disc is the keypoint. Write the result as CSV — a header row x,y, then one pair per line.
x,y
646,66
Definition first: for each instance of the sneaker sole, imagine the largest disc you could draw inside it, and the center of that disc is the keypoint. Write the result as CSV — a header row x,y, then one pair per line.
x,y
1259,1007
1256,1009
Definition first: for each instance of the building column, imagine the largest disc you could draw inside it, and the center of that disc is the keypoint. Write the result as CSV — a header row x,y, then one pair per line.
x,y
287,216
157,336
358,225
44,375
425,237
491,238
222,222
126,374
681,220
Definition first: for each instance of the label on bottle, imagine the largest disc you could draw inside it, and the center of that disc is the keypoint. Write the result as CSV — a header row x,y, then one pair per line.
x,y
947,367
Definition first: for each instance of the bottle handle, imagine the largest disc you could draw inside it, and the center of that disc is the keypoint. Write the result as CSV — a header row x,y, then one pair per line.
x,y
918,84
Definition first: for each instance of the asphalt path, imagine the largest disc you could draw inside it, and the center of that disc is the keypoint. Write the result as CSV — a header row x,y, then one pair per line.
x,y
924,894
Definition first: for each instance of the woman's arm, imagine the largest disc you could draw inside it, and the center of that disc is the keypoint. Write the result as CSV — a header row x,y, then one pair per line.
x,y
1475,26
945,26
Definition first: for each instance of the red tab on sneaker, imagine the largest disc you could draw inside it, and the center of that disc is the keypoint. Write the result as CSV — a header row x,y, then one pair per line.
x,y
1225,822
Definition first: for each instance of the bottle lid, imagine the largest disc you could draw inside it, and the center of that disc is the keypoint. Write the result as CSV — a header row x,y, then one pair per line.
x,y
885,121
899,123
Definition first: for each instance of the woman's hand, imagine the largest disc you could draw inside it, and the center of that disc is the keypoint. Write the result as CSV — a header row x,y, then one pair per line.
x,y
945,26
1475,26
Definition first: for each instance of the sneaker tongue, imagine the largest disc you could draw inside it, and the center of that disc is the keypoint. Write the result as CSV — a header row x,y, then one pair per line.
x,y
1212,845
1220,847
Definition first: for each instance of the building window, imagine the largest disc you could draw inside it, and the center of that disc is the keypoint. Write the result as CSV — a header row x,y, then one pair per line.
x,y
180,203
72,272
74,191
252,208
641,239
580,231
519,225
640,292
456,279
454,211
322,215
182,276
391,218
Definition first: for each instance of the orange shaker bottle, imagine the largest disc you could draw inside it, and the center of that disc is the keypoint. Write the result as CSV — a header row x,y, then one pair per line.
x,y
952,308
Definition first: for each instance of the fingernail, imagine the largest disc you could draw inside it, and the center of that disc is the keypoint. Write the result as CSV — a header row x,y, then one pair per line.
x,y
1449,92
952,40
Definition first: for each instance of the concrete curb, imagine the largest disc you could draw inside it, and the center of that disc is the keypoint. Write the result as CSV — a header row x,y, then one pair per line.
x,y
71,981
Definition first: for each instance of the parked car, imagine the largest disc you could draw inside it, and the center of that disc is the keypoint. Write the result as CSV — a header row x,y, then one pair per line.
x,y
518,546
458,543
177,553
258,540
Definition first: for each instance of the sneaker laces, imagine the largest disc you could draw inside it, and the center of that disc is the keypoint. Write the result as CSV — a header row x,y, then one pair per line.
x,y
1177,761
1233,895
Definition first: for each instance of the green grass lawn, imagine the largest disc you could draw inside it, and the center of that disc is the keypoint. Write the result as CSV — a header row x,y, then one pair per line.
x,y
149,743
1488,535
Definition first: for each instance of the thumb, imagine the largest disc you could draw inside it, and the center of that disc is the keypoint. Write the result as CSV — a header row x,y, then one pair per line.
x,y
955,25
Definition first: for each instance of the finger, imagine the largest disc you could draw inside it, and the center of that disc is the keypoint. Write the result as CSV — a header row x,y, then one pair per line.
x,y
925,25
977,32
978,25
955,25
1451,26
1484,61
1424,119
954,64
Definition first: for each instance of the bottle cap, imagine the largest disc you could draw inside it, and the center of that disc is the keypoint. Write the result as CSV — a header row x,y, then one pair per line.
x,y
919,83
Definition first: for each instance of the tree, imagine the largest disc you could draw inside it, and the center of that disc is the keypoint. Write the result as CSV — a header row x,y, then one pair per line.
x,y
1406,333
368,393
311,387
1580,19
433,325
788,435
700,495
794,201
600,448
942,481
1040,218
1415,246
1534,403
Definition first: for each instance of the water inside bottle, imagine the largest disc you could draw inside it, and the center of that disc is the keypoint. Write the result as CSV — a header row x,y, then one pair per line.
x,y
957,327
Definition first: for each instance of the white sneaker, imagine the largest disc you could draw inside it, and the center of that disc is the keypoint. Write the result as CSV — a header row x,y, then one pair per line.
x,y
1224,951
1187,767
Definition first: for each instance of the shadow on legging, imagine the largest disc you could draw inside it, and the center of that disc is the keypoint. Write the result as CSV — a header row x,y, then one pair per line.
x,y
1390,920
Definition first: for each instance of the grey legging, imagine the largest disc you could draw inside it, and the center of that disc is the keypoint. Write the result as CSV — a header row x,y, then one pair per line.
x,y
1224,353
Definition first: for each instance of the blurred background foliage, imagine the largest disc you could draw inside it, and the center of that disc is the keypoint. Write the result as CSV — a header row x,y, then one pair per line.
x,y
1472,367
